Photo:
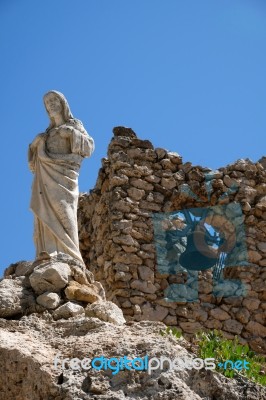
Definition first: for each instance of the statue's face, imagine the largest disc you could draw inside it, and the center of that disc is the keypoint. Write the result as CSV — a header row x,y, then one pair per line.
x,y
53,104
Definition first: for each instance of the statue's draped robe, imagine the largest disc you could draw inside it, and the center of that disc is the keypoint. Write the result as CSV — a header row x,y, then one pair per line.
x,y
55,191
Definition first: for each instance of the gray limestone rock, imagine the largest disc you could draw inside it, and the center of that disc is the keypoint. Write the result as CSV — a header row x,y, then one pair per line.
x,y
49,300
14,298
106,311
68,310
50,277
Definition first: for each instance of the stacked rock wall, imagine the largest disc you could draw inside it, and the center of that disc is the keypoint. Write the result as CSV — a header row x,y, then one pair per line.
x,y
117,236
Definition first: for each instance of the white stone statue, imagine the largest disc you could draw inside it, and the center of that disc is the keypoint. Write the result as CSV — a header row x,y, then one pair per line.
x,y
55,158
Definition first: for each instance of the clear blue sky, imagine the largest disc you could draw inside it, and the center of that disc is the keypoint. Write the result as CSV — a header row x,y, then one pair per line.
x,y
189,75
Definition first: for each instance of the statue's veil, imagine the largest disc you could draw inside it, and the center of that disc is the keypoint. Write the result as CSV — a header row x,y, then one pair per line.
x,y
67,114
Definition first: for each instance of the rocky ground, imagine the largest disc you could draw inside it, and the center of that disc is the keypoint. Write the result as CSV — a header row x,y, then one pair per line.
x,y
28,347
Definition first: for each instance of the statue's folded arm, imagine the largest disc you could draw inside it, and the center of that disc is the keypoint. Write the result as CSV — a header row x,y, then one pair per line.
x,y
81,142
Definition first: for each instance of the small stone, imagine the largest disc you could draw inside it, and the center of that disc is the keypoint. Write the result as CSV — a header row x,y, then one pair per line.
x,y
118,180
126,240
143,286
261,205
106,311
219,314
251,303
124,131
121,205
234,300
136,194
10,270
48,300
152,179
137,300
196,175
169,183
122,276
146,205
213,324
233,326
129,249
49,277
126,304
229,182
174,157
87,293
143,170
24,268
260,317
141,184
258,345
256,328
127,258
191,327
145,273
262,160
242,315
68,310
137,309
247,193
205,287
200,315
142,154
262,246
170,320
161,153
157,313
168,165
245,206
254,256
122,225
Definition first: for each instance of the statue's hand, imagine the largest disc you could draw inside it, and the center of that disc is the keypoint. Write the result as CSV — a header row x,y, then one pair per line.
x,y
66,131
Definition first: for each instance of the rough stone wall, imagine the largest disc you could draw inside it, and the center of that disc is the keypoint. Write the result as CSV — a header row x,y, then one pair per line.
x,y
116,236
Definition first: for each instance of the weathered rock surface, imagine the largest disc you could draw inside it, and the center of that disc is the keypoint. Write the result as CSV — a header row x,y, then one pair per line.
x,y
106,311
68,310
32,351
15,299
87,293
50,277
49,300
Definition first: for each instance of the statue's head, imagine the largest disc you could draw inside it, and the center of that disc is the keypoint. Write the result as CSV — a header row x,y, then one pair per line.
x,y
56,103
